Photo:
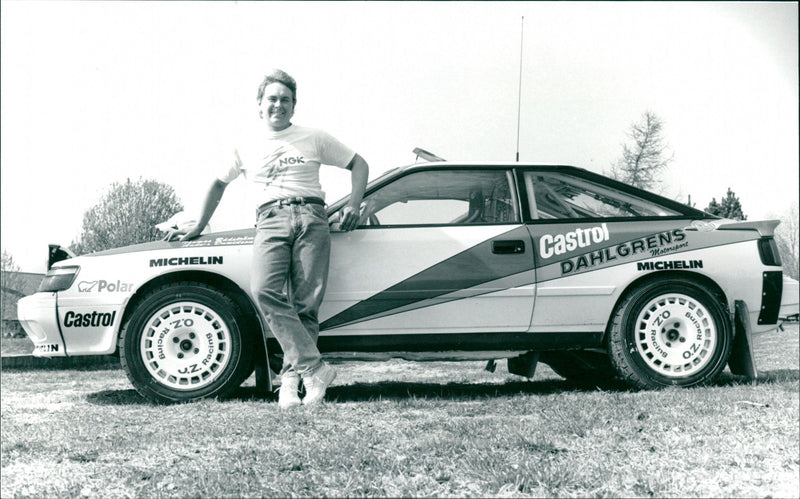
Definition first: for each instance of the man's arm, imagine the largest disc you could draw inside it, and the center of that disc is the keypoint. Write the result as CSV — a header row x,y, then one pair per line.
x,y
359,173
213,198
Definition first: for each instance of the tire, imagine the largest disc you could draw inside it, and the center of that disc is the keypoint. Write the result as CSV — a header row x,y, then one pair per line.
x,y
184,342
580,366
669,332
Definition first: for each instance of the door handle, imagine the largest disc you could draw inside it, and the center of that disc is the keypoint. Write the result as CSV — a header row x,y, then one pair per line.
x,y
508,247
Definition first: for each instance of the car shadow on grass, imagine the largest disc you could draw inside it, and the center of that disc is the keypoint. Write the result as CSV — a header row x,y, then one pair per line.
x,y
387,390
391,390
764,377
398,390
117,397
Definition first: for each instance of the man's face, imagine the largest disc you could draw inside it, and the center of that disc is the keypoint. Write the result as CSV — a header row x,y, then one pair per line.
x,y
277,106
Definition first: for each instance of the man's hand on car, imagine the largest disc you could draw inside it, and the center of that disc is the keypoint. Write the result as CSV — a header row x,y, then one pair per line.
x,y
349,219
183,234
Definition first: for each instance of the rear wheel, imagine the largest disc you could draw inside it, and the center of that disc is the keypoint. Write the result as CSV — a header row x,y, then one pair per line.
x,y
670,332
185,341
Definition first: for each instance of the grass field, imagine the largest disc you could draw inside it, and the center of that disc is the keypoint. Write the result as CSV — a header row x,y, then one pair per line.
x,y
15,346
409,429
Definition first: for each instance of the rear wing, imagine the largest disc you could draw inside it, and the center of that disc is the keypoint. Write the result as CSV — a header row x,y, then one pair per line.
x,y
427,156
765,228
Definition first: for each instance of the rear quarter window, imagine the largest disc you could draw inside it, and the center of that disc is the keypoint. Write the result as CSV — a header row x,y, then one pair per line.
x,y
554,195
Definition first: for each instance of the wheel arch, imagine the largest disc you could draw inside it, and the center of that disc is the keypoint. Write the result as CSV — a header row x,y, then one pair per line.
x,y
697,278
217,281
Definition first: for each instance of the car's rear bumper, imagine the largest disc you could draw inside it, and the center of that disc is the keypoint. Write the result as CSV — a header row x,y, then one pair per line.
x,y
38,315
790,299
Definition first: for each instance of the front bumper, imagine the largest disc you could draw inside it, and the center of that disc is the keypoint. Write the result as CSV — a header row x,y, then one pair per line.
x,y
38,316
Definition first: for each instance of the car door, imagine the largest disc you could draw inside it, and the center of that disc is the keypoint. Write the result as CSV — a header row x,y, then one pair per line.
x,y
439,250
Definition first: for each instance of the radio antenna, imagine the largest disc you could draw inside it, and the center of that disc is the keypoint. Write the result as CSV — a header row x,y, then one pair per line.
x,y
519,96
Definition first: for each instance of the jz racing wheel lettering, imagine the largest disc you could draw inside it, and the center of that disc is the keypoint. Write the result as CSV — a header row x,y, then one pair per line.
x,y
191,339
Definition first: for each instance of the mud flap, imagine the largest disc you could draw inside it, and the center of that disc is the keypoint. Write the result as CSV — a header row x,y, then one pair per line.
x,y
742,361
263,378
262,370
524,365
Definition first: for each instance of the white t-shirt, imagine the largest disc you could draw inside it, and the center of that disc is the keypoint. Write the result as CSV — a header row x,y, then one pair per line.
x,y
286,163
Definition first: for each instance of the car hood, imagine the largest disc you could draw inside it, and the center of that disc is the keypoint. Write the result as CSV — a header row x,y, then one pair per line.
x,y
228,238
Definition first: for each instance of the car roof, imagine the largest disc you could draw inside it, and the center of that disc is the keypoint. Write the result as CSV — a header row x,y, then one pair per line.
x,y
443,165
498,164
583,172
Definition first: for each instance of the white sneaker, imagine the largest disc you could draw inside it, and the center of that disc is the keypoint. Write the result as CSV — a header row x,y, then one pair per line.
x,y
287,395
317,382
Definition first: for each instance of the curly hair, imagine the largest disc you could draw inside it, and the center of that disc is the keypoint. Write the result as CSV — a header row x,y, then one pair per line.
x,y
279,76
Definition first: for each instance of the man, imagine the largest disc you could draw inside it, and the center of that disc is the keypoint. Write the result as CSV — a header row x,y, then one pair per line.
x,y
292,242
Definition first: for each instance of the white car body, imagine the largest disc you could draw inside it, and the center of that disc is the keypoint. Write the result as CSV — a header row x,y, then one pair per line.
x,y
527,280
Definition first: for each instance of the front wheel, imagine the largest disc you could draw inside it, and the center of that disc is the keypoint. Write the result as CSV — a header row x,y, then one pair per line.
x,y
670,332
184,342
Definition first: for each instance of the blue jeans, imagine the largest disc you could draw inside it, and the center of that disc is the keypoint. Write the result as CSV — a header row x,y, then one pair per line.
x,y
291,257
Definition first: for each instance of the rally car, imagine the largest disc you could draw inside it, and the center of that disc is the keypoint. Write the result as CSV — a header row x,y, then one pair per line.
x,y
530,263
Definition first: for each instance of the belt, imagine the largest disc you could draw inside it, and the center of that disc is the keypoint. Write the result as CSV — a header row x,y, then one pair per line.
x,y
290,201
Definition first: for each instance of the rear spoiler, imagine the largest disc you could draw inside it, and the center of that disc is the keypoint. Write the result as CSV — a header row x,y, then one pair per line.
x,y
57,253
765,228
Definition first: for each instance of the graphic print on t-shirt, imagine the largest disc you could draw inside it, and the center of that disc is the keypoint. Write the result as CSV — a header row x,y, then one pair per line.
x,y
280,160
286,164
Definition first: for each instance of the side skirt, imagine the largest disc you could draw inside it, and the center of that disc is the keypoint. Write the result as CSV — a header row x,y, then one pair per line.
x,y
469,342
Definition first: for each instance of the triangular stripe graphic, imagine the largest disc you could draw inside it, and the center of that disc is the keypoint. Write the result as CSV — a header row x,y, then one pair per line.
x,y
468,269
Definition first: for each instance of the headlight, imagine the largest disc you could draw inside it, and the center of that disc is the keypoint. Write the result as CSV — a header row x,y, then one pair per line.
x,y
58,279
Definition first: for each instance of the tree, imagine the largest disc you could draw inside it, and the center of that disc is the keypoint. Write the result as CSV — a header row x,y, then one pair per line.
x,y
126,215
713,207
9,268
787,237
7,264
10,284
644,160
729,207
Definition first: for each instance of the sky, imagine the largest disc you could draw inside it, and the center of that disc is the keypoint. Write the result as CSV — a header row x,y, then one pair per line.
x,y
98,92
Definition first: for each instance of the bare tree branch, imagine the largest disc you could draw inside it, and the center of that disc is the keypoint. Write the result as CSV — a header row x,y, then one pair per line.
x,y
643,162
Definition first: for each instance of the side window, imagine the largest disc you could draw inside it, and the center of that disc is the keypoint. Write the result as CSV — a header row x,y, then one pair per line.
x,y
555,195
450,197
